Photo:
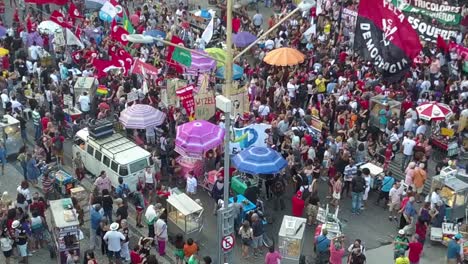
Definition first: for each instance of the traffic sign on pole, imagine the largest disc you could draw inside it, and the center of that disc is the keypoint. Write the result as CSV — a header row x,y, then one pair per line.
x,y
228,242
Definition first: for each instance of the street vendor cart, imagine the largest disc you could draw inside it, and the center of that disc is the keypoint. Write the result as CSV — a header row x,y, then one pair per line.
x,y
453,193
239,183
378,106
290,238
66,232
10,134
64,182
184,213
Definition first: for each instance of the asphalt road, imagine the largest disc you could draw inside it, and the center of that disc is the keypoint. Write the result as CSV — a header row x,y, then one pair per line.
x,y
371,226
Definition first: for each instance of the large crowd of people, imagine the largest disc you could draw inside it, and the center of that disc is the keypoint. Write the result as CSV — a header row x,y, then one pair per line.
x,y
332,85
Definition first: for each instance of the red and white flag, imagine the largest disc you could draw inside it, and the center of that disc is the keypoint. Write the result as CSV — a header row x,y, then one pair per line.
x,y
120,34
103,66
78,32
58,18
73,12
118,7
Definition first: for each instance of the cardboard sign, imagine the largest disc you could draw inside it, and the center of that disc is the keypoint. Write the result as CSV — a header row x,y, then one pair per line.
x,y
240,100
172,86
205,104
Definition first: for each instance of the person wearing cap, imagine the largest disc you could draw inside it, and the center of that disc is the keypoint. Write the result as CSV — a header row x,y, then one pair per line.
x,y
453,250
400,243
114,238
21,239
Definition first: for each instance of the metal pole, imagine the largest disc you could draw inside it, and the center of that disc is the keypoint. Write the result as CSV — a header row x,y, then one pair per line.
x,y
227,91
266,33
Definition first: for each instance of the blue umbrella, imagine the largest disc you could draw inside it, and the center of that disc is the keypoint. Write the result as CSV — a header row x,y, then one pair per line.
x,y
243,39
259,160
155,33
237,72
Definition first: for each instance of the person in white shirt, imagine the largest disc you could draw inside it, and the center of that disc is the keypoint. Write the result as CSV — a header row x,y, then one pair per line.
x,y
161,233
34,52
408,125
150,182
292,88
114,239
395,198
84,103
435,198
421,128
191,186
264,109
15,105
408,150
5,98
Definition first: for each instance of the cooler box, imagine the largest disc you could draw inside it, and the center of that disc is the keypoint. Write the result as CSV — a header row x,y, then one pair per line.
x,y
64,182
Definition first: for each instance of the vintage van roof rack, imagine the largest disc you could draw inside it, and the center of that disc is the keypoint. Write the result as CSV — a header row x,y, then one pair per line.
x,y
115,144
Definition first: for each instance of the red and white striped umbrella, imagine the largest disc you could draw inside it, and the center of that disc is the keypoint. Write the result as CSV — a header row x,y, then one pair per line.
x,y
434,111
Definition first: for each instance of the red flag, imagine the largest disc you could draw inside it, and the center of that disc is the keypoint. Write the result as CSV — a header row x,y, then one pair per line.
x,y
112,50
126,57
73,12
43,2
90,55
441,44
29,25
58,18
120,34
118,7
103,66
76,56
78,32
176,40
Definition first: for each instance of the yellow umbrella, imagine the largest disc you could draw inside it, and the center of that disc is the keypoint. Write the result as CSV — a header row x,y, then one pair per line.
x,y
4,52
284,57
218,54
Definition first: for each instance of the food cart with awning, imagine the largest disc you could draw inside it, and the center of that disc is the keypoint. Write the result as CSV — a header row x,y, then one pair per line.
x,y
66,232
184,213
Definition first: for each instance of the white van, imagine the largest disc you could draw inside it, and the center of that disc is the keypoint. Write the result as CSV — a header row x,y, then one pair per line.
x,y
117,155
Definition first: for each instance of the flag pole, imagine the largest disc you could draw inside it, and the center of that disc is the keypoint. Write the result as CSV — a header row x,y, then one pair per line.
x,y
187,49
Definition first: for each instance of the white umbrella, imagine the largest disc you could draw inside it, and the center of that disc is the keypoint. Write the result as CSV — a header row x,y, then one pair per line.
x,y
49,27
140,38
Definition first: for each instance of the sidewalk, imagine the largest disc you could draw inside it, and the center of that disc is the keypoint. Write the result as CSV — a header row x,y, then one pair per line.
x,y
384,255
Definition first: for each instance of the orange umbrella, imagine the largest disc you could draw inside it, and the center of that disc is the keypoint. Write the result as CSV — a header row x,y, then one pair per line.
x,y
284,57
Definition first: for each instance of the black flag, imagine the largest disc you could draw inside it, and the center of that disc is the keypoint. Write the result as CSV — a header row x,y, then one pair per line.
x,y
385,37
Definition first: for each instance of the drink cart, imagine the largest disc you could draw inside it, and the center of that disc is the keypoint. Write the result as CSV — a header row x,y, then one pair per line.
x,y
290,238
380,102
247,205
185,213
66,232
81,196
453,192
445,233
10,134
239,183
328,221
64,182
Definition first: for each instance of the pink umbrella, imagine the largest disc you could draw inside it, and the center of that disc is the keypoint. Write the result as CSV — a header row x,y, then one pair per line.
x,y
198,136
434,111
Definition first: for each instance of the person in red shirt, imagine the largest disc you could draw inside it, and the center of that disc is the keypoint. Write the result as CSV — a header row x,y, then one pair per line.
x,y
38,205
415,249
298,205
135,257
45,120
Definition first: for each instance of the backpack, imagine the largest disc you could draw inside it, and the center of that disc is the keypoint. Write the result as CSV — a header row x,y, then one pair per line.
x,y
279,187
137,199
305,192
58,144
123,191
20,198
